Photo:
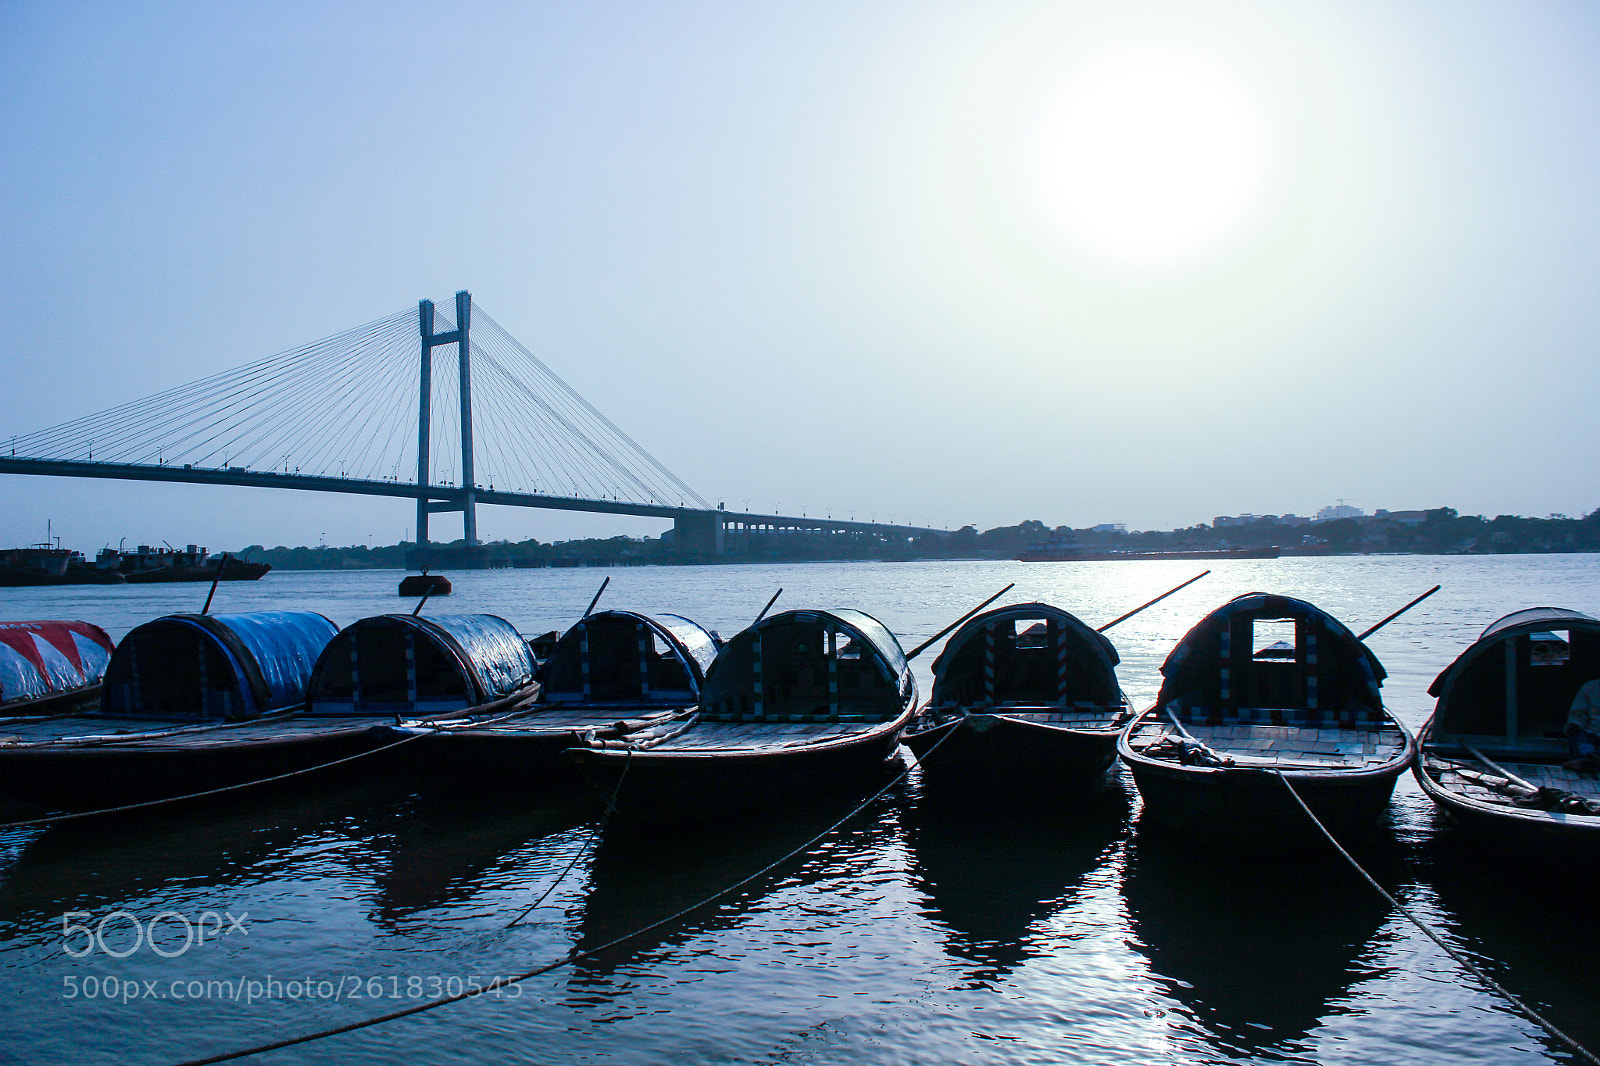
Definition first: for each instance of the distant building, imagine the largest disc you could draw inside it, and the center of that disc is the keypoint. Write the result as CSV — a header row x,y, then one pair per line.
x,y
1111,527
1405,518
1338,510
1224,521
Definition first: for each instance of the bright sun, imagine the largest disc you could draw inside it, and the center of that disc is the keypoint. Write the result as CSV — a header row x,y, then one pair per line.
x,y
1149,157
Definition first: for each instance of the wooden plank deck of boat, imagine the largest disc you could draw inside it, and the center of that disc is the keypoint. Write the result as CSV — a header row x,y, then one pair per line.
x,y
1297,746
1100,719
144,733
1538,774
549,719
746,736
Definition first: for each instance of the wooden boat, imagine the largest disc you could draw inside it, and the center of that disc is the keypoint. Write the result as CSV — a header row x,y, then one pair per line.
x,y
1024,698
395,666
1491,754
1230,719
190,703
802,702
612,673
51,667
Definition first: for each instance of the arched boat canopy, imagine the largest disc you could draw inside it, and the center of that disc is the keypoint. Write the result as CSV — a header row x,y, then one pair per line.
x,y
1267,658
1027,654
410,665
215,666
1516,682
39,659
621,657
810,666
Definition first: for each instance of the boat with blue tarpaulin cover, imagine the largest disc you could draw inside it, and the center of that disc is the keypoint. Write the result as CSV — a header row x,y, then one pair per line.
x,y
611,674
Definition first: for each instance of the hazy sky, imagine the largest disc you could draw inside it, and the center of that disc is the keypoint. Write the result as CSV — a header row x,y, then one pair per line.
x,y
940,263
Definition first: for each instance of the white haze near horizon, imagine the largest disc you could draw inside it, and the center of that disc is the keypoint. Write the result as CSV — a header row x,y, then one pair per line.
x,y
836,257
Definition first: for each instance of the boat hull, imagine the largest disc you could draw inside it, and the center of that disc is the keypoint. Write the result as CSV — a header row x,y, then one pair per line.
x,y
1531,831
231,570
73,701
522,752
1552,834
667,784
991,752
91,776
1248,807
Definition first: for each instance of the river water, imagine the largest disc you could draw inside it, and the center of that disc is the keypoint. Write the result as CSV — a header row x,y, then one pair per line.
x,y
912,933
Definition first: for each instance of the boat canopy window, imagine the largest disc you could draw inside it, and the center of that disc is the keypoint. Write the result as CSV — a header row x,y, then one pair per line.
x,y
624,657
812,666
1273,638
1549,648
410,665
1028,654
219,666
40,659
1283,656
1516,683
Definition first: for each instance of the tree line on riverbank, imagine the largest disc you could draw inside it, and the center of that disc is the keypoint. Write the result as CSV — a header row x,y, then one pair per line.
x,y
1441,531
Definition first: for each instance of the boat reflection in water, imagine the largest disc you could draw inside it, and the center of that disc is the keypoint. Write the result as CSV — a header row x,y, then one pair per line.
x,y
449,850
639,876
203,851
1255,953
1520,923
991,874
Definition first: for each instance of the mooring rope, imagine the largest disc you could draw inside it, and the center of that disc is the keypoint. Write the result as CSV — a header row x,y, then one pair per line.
x,y
53,819
571,957
1461,959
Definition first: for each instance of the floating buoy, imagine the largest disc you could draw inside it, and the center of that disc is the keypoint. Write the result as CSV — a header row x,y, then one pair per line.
x,y
424,584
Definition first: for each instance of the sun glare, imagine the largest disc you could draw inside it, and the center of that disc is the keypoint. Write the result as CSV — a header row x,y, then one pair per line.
x,y
1148,158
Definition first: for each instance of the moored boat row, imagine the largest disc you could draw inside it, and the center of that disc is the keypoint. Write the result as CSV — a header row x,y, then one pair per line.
x,y
1269,710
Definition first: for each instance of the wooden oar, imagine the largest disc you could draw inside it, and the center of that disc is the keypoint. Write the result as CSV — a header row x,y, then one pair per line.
x,y
920,648
1502,771
1152,603
768,607
222,563
1398,613
596,599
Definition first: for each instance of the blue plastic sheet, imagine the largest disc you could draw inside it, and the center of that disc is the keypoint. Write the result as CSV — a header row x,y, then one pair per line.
x,y
495,652
270,655
285,646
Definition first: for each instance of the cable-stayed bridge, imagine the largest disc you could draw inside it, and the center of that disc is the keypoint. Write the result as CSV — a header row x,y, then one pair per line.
x,y
379,410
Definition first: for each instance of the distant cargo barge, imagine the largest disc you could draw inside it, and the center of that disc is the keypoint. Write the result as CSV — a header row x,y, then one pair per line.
x,y
1046,553
149,565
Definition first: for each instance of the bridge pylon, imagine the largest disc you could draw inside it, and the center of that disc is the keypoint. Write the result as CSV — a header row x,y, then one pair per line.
x,y
461,338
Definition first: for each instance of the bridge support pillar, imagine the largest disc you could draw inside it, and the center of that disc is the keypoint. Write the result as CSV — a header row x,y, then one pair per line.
x,y
430,340
697,533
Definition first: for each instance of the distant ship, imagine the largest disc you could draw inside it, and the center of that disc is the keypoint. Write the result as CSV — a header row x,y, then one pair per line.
x,y
194,563
43,564
1068,550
